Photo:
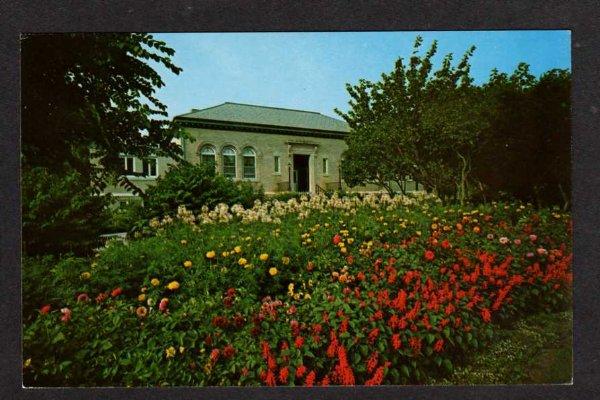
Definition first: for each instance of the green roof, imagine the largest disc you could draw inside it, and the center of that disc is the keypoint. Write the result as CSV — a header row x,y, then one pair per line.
x,y
236,113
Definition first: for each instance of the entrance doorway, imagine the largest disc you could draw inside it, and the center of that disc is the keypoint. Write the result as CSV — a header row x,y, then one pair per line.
x,y
300,178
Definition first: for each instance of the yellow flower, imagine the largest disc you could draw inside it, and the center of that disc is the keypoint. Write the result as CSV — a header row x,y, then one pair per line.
x,y
291,287
263,257
27,363
225,254
307,296
187,264
86,275
434,226
242,261
273,271
418,233
181,349
285,260
350,240
173,285
142,297
343,250
170,352
183,242
155,282
237,249
210,254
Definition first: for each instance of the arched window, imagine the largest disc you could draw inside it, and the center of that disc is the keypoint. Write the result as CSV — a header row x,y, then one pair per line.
x,y
249,163
228,154
208,155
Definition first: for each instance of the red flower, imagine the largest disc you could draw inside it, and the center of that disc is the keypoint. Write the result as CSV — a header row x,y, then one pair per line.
x,y
429,255
214,355
446,244
299,342
377,377
310,379
116,292
45,309
270,379
486,315
66,314
373,335
372,362
101,297
283,375
228,351
396,341
439,345
415,344
300,371
325,381
336,239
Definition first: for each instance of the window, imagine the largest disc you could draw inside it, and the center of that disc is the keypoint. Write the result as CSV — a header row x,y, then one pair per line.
x,y
276,164
149,168
208,155
325,166
128,165
228,154
249,163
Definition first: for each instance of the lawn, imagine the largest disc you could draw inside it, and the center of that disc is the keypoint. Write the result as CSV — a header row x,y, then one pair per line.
x,y
322,291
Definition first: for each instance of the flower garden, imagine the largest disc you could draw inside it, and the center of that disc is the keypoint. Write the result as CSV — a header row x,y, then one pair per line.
x,y
322,291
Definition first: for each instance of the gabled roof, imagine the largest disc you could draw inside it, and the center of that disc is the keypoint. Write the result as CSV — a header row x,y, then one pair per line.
x,y
273,117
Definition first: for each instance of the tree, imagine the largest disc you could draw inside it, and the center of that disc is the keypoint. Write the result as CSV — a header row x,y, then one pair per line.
x,y
525,152
417,123
90,97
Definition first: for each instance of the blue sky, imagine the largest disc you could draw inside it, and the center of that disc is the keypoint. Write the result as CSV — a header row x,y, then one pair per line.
x,y
309,70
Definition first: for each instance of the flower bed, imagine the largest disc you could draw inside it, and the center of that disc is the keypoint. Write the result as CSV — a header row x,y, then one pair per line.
x,y
369,290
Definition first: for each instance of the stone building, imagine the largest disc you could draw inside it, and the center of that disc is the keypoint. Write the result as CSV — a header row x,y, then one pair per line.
x,y
277,148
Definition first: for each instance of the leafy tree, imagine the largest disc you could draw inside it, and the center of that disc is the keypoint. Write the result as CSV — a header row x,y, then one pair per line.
x,y
91,97
415,122
526,150
61,212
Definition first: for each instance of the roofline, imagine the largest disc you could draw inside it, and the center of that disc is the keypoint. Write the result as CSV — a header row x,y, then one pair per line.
x,y
256,105
264,128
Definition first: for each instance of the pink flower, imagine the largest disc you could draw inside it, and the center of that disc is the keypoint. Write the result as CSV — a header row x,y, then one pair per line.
x,y
83,297
517,241
503,240
542,252
529,255
66,314
164,303
490,236
533,238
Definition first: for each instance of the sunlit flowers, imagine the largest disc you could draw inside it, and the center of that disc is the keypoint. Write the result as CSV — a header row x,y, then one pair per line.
x,y
170,352
210,254
263,257
187,264
141,312
173,285
237,249
273,271
242,261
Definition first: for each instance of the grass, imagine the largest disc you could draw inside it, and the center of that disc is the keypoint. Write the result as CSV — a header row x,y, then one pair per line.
x,y
537,350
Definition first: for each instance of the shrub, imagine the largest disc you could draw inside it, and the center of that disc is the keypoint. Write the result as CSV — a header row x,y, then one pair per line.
x,y
195,186
61,212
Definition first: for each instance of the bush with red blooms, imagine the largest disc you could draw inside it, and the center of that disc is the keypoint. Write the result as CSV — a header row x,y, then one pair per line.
x,y
395,294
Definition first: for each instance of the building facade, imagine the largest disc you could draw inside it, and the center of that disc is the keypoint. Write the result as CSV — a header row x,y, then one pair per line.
x,y
276,148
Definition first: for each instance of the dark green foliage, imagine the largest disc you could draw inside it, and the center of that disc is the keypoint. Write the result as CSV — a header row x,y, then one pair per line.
x,y
60,212
195,186
529,131
459,140
91,96
124,217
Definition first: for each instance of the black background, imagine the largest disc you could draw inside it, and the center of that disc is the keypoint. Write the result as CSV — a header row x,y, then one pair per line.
x,y
582,17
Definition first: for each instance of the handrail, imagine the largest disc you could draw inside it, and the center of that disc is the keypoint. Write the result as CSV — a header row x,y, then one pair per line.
x,y
319,189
